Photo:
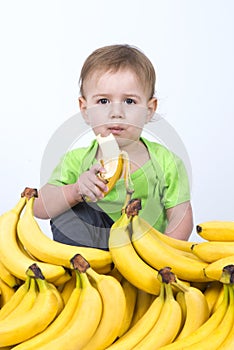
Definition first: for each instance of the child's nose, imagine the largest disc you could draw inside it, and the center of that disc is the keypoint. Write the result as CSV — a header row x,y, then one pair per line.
x,y
117,110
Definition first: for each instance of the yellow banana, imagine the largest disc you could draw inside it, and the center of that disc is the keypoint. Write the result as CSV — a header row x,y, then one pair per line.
x,y
52,252
171,241
84,322
158,255
26,303
167,326
15,299
7,277
220,333
114,305
194,300
213,251
127,261
228,343
130,292
15,261
6,293
136,333
59,324
204,330
181,300
212,293
143,302
112,160
68,288
214,270
216,230
34,321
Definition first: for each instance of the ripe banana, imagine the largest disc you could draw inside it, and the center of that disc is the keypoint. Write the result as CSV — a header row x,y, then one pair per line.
x,y
216,230
59,324
204,330
136,333
15,300
84,322
194,300
52,252
114,305
143,302
7,277
112,160
125,258
68,288
228,343
130,292
219,334
213,250
171,241
158,255
34,321
11,255
6,293
26,303
167,326
214,270
212,293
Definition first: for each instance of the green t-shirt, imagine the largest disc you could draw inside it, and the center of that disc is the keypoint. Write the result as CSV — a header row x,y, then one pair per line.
x,y
161,183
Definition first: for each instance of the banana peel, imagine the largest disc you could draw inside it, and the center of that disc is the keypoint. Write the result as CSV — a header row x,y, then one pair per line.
x,y
115,162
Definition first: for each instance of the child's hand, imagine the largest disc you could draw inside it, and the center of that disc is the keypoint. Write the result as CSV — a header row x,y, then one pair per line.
x,y
90,185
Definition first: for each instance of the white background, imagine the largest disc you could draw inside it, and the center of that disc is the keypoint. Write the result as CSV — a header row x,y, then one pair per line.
x,y
190,42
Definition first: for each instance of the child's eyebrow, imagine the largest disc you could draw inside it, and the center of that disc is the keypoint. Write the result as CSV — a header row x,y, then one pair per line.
x,y
123,94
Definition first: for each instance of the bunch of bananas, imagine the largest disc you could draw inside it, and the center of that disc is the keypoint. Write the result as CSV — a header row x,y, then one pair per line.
x,y
149,291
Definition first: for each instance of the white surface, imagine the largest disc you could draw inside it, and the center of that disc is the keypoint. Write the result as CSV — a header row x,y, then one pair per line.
x,y
44,44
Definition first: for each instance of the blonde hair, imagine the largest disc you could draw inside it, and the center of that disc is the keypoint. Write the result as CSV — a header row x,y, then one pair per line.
x,y
115,57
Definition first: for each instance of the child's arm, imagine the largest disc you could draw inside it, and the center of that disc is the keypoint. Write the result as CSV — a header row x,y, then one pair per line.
x,y
54,200
180,221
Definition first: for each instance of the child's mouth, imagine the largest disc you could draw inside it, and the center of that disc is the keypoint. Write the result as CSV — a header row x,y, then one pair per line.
x,y
116,130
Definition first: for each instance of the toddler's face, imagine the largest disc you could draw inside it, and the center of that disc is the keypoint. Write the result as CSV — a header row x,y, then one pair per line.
x,y
117,103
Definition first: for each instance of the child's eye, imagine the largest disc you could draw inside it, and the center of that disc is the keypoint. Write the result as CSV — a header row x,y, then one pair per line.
x,y
103,101
129,101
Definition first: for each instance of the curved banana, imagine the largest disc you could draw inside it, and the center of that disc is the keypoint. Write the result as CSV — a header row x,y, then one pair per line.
x,y
112,160
204,330
167,326
228,343
12,256
216,230
68,288
143,302
114,305
15,300
220,333
26,303
127,261
214,269
213,251
52,252
158,255
84,322
34,321
212,293
7,277
171,241
136,333
6,293
59,324
130,292
194,300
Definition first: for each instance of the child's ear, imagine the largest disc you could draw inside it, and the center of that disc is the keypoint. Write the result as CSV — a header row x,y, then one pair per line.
x,y
152,106
83,109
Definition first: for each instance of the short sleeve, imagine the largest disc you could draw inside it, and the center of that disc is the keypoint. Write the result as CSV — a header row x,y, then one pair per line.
x,y
176,183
